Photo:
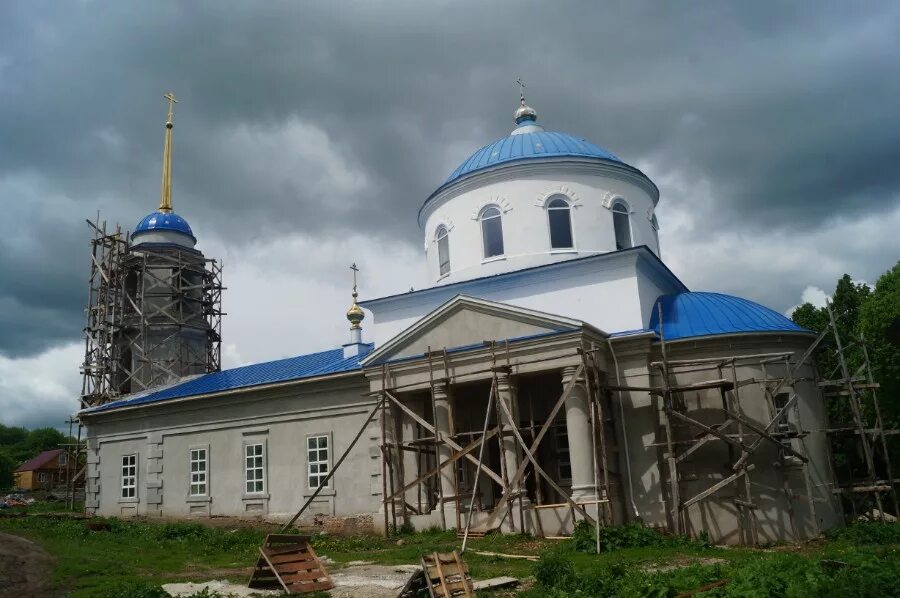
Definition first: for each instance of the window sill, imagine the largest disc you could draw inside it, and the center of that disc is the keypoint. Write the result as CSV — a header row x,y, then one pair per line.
x,y
198,499
257,496
129,500
564,250
443,276
495,258
325,492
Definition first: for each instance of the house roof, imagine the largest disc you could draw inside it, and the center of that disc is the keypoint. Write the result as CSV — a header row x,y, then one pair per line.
x,y
40,461
293,368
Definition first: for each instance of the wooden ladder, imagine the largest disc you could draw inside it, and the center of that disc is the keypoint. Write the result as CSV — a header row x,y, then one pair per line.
x,y
447,575
288,562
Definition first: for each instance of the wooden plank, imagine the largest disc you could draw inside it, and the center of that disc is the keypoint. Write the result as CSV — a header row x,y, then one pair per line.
x,y
272,567
290,558
304,576
442,438
715,487
297,566
293,539
310,587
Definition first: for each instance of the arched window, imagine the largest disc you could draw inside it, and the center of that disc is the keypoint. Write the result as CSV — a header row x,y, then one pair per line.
x,y
559,216
655,224
491,232
442,238
622,225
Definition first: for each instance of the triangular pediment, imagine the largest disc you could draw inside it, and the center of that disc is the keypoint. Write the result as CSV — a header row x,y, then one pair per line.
x,y
468,322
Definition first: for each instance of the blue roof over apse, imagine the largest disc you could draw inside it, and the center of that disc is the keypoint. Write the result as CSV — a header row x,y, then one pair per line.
x,y
525,146
692,314
163,221
269,372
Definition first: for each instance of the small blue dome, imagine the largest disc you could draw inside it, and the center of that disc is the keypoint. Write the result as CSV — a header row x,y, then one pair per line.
x,y
527,146
687,315
164,221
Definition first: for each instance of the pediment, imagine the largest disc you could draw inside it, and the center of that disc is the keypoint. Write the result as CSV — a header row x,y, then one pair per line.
x,y
468,322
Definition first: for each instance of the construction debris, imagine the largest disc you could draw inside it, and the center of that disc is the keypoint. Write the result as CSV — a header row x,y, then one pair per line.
x,y
447,575
289,562
494,583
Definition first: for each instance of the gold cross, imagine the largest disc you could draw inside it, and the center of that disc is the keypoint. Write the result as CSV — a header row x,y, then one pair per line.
x,y
355,270
521,86
172,101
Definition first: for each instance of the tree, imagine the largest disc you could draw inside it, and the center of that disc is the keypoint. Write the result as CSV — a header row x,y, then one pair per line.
x,y
879,322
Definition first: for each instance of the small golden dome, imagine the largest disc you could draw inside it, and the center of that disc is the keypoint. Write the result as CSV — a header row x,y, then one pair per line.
x,y
355,314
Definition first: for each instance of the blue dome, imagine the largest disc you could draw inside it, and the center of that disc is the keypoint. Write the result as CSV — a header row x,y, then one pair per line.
x,y
687,315
163,221
528,146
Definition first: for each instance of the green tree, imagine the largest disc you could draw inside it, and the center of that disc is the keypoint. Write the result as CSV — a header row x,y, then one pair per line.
x,y
7,467
879,323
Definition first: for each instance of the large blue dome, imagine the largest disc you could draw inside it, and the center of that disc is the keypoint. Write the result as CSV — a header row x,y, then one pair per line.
x,y
688,314
528,146
163,221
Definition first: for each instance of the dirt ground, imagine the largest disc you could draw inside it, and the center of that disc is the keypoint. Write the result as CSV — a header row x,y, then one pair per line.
x,y
25,569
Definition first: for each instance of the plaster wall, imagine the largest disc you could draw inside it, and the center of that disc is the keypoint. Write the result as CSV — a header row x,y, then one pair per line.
x,y
778,516
605,292
522,193
281,419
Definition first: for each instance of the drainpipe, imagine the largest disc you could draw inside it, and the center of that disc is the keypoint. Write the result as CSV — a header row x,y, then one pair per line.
x,y
624,432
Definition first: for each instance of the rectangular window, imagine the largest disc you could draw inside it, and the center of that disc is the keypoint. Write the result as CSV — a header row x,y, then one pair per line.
x,y
129,476
317,460
42,476
63,459
562,453
782,424
198,472
254,469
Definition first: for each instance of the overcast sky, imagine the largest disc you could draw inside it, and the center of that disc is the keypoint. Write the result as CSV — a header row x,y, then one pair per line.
x,y
308,134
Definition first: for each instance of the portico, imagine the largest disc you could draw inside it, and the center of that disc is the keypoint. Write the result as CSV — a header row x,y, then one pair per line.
x,y
528,399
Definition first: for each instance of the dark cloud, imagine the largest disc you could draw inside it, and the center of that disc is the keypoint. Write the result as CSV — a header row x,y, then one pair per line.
x,y
317,117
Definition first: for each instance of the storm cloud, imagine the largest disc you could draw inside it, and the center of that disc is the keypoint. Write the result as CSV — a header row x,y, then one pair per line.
x,y
308,134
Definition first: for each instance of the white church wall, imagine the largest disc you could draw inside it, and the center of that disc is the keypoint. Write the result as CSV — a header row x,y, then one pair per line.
x,y
522,193
281,419
605,292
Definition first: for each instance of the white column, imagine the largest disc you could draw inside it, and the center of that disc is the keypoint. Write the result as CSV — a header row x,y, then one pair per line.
x,y
442,425
578,429
506,393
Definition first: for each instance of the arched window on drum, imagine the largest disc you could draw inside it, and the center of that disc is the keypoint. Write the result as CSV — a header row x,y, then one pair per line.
x,y
559,219
442,238
491,231
622,224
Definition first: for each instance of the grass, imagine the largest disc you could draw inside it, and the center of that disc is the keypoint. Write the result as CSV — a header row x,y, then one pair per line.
x,y
133,557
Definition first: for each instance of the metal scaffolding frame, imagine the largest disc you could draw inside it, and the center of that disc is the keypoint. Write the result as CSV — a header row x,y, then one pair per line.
x,y
133,292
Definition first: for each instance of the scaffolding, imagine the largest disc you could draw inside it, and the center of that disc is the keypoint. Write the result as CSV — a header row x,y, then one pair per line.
x,y
153,316
436,451
870,484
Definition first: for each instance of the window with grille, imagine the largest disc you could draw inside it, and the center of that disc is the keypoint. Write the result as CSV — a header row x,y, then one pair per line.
x,y
782,424
317,460
198,472
129,476
254,467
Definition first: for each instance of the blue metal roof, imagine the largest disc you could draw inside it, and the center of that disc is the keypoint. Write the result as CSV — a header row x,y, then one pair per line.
x,y
691,314
525,146
163,221
282,370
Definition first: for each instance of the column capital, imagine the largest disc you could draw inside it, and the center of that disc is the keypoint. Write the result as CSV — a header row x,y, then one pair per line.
x,y
568,373
441,390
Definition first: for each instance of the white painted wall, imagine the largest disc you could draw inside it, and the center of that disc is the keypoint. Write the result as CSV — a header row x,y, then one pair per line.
x,y
522,193
605,291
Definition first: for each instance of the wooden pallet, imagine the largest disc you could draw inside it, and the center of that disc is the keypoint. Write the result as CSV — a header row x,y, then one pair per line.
x,y
288,562
447,575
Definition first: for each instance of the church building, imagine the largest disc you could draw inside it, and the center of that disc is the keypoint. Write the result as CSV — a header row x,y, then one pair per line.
x,y
554,370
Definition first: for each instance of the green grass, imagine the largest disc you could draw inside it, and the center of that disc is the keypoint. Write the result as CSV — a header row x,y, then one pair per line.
x,y
132,558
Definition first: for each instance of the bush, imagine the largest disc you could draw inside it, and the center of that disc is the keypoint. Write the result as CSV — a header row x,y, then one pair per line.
x,y
870,532
633,535
555,570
